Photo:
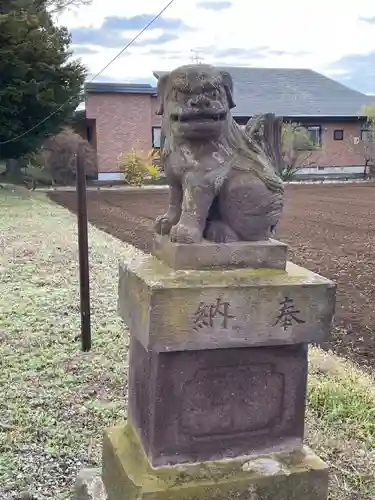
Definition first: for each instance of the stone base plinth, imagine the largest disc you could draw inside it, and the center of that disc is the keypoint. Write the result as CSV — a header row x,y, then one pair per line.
x,y
193,406
127,475
268,254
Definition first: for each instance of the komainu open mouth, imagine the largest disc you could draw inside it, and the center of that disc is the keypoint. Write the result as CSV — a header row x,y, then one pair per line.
x,y
201,117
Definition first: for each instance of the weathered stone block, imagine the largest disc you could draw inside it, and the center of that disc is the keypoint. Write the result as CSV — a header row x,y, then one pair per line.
x,y
203,405
171,310
89,485
127,475
270,254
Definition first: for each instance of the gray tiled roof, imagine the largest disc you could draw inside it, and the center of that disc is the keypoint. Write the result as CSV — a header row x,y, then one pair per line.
x,y
291,92
122,88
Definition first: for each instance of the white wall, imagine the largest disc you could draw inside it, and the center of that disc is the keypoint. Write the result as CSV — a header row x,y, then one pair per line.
x,y
355,169
109,176
114,176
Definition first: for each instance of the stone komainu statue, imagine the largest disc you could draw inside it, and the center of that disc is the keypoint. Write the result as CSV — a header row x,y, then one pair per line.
x,y
222,179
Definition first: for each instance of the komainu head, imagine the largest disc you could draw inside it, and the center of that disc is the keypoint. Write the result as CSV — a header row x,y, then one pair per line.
x,y
195,101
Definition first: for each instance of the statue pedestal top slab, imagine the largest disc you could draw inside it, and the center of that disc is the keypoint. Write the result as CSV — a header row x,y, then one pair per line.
x,y
269,254
175,310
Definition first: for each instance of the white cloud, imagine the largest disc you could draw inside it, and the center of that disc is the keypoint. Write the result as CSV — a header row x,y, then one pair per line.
x,y
312,34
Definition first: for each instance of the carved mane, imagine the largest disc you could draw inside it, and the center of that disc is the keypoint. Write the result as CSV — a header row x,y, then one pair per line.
x,y
256,149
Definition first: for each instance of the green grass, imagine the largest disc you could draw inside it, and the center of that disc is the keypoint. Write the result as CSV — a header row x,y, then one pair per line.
x,y
341,424
56,401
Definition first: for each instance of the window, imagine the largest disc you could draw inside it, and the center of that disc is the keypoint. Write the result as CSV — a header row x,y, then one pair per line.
x,y
338,135
89,133
156,137
314,135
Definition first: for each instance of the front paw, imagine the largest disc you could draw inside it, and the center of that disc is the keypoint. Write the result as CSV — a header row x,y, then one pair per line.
x,y
163,224
180,233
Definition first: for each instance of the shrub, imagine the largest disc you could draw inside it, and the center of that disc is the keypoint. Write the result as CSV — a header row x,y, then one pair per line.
x,y
30,171
34,175
58,156
136,167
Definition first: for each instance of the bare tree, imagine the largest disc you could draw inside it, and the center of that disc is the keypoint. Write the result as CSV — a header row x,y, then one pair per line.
x,y
55,162
60,152
297,148
58,6
364,145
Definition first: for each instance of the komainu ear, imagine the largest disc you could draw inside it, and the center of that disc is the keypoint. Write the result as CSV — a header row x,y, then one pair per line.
x,y
161,87
228,86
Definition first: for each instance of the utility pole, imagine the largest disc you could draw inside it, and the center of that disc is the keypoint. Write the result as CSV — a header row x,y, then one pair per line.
x,y
195,56
83,251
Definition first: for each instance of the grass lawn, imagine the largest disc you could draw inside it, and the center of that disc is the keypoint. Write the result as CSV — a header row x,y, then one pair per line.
x,y
56,400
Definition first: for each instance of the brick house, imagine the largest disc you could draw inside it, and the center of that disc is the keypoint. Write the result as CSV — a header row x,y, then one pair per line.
x,y
120,117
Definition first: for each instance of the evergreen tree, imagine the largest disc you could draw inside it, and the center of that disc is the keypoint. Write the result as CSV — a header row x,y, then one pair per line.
x,y
37,76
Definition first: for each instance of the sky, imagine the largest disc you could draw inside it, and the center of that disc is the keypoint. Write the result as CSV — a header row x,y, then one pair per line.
x,y
333,37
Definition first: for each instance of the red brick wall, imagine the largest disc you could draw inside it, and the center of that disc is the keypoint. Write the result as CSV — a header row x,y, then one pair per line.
x,y
125,121
338,153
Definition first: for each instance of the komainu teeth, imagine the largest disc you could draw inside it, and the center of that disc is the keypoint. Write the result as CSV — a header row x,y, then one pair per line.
x,y
182,118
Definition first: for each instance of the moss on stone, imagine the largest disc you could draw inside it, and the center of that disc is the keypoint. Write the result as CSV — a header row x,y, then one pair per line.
x,y
157,275
128,474
159,304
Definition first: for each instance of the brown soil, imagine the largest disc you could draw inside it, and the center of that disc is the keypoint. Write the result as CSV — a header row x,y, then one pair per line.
x,y
330,230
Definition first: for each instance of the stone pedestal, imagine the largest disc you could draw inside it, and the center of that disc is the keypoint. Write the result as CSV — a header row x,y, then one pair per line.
x,y
128,475
211,404
217,375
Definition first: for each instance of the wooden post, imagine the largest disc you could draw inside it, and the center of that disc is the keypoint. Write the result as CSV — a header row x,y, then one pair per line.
x,y
83,251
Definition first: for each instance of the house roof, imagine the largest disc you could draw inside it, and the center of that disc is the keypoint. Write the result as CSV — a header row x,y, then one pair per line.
x,y
291,93
123,88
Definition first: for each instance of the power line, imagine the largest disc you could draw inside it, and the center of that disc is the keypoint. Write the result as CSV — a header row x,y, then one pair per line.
x,y
93,78
135,38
